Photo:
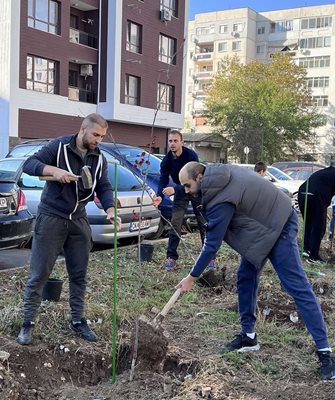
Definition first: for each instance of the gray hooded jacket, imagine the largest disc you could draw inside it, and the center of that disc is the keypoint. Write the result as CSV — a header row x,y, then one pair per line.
x,y
261,209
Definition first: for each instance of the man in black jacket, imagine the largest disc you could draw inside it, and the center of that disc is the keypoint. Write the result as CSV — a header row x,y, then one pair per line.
x,y
61,222
320,188
171,164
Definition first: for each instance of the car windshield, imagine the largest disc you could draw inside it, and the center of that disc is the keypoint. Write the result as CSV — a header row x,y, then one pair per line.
x,y
126,181
9,168
25,151
141,159
278,174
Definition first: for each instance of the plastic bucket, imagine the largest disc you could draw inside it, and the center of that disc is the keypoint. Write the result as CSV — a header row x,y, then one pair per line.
x,y
146,251
52,289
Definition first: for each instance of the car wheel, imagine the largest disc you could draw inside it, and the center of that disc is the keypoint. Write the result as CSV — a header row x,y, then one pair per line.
x,y
160,231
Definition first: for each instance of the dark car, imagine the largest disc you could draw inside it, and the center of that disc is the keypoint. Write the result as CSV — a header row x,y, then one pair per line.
x,y
141,163
298,170
16,222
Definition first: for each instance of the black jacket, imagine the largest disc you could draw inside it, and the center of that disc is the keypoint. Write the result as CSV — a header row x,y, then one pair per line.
x,y
68,200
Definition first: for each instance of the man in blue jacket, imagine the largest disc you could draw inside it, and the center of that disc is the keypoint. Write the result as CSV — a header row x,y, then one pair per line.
x,y
176,158
61,222
257,220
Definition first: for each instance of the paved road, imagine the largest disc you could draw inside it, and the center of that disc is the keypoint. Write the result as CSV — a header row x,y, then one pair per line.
x,y
14,258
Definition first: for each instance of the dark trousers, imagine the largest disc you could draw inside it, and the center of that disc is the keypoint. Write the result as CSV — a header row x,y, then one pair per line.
x,y
179,208
315,223
285,258
51,236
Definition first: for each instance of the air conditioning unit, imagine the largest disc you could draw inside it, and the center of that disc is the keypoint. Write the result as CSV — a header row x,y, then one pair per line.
x,y
86,70
165,14
235,34
195,40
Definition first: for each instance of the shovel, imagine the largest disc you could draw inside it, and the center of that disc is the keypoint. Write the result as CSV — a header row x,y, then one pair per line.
x,y
150,343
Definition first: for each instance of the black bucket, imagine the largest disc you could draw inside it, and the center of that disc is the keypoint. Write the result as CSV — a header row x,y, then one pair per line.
x,y
146,252
52,289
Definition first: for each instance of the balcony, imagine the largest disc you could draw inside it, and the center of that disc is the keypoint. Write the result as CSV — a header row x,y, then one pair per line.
x,y
78,94
199,94
202,57
203,75
83,38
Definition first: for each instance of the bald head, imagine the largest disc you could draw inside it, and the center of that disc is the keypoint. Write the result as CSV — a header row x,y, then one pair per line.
x,y
191,170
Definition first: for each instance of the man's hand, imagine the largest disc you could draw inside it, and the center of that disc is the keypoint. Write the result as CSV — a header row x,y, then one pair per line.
x,y
110,217
61,175
156,200
186,284
169,191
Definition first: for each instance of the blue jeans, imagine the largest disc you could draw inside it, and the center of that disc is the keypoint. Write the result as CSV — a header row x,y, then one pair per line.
x,y
179,208
286,261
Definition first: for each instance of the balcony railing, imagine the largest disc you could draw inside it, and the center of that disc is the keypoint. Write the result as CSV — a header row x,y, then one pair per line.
x,y
83,38
202,56
199,93
86,96
203,75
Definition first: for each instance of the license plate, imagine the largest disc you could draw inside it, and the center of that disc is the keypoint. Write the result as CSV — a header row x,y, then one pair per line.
x,y
135,226
3,203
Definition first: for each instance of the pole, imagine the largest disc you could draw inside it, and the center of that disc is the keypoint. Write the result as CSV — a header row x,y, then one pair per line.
x,y
114,279
304,222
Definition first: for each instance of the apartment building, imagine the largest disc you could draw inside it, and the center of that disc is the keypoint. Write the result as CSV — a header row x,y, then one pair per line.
x,y
63,59
307,33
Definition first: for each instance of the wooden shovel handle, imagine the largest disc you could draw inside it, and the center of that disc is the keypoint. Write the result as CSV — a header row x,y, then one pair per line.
x,y
170,303
52,178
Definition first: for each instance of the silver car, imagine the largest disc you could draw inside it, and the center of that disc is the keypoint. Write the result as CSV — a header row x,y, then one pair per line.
x,y
133,203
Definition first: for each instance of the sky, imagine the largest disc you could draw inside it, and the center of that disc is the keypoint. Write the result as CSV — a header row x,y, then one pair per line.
x,y
200,6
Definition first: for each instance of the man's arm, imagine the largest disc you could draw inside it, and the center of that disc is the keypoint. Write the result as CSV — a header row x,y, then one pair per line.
x,y
164,176
218,218
43,163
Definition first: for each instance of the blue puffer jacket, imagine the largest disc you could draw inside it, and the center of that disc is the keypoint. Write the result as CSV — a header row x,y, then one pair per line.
x,y
69,200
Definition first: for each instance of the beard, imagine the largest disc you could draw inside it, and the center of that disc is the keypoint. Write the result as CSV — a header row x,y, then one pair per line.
x,y
86,144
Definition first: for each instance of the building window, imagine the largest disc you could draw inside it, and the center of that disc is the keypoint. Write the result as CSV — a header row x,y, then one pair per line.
x,y
132,90
315,42
205,30
41,75
281,26
165,97
237,27
260,49
167,49
171,5
223,29
314,62
222,47
321,22
320,101
44,15
261,30
318,81
236,46
134,37
73,78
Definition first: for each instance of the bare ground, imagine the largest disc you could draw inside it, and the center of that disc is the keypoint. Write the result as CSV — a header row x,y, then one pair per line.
x,y
60,366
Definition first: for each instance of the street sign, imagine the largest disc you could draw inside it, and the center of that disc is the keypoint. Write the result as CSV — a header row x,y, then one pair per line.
x,y
246,150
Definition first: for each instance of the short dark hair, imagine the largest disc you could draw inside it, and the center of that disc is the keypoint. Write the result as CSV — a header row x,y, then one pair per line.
x,y
260,166
176,132
94,119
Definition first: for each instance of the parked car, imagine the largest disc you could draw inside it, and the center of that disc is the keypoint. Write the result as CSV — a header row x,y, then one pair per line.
x,y
300,170
129,199
141,163
282,181
16,222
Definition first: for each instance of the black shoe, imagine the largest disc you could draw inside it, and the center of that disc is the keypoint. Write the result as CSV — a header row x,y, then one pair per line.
x,y
83,330
242,343
316,261
327,367
26,333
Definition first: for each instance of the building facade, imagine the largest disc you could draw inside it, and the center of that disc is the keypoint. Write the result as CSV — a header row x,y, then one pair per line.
x,y
123,59
307,33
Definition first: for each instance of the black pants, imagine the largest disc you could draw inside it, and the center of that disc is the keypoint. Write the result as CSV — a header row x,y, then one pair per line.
x,y
51,236
315,224
179,208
